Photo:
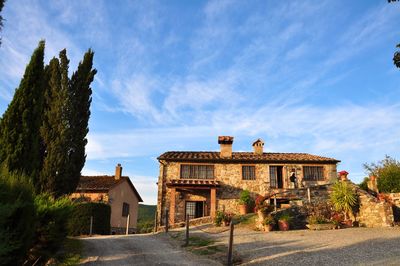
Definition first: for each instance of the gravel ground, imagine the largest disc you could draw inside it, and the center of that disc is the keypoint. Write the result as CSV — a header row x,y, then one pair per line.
x,y
145,249
353,246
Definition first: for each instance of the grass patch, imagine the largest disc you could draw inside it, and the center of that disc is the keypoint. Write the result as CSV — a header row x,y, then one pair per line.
x,y
196,241
245,220
71,253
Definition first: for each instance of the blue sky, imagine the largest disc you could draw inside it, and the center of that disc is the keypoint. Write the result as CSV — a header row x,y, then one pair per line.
x,y
305,76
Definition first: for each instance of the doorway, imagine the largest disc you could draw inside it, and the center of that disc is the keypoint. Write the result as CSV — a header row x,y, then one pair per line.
x,y
276,176
194,209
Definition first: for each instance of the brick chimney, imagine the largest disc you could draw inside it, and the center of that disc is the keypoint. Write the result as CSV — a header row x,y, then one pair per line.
x,y
118,171
258,147
225,143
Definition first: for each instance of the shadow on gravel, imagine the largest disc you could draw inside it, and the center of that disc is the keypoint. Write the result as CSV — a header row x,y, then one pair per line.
x,y
372,252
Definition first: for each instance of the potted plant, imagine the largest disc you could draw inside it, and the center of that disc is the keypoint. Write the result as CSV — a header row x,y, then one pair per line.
x,y
343,199
284,220
245,202
268,223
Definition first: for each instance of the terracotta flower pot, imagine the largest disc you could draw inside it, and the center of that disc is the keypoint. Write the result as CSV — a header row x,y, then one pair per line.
x,y
243,209
283,225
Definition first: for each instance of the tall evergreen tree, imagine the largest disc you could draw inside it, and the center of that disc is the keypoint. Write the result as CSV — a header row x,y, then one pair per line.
x,y
79,112
1,17
19,126
55,126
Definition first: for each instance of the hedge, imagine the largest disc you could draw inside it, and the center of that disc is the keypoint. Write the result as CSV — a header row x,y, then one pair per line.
x,y
17,219
79,221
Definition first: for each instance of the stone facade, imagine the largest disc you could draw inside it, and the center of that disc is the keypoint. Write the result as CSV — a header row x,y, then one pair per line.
x,y
229,175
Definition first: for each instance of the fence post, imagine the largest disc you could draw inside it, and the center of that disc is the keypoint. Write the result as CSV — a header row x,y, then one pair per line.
x,y
230,247
275,202
187,231
166,220
309,195
127,225
155,222
91,226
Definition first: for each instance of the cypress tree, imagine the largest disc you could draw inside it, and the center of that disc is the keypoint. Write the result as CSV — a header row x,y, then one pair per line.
x,y
19,127
79,113
54,129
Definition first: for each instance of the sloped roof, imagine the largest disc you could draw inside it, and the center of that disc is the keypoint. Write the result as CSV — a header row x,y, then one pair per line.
x,y
249,157
103,184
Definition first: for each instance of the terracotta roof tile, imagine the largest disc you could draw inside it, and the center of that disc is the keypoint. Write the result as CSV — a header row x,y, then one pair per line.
x,y
206,156
103,184
194,182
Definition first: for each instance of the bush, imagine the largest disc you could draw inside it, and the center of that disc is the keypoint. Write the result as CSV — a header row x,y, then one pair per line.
x,y
219,218
51,225
388,173
17,218
316,219
79,221
364,184
245,198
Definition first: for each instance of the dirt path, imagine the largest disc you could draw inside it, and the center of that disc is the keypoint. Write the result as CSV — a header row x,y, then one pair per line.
x,y
355,246
146,249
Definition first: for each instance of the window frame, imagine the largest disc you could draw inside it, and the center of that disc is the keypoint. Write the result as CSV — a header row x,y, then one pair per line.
x,y
197,171
312,169
125,209
248,166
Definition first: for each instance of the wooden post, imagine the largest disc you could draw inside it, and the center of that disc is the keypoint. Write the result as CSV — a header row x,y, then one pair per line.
x,y
166,220
127,225
155,222
187,231
275,202
230,247
213,199
172,206
91,226
309,195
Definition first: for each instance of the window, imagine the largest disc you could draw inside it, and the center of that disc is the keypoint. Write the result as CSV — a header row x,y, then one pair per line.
x,y
125,209
189,171
248,172
313,173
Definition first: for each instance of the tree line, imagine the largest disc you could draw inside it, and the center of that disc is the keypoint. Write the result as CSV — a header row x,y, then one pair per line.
x,y
43,131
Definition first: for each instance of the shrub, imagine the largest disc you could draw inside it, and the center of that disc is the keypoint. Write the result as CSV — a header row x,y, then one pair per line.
x,y
219,218
364,184
388,173
316,219
51,225
269,220
17,218
79,221
343,197
245,198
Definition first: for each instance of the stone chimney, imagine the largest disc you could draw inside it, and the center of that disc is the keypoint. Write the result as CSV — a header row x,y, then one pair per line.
x,y
225,143
118,171
258,147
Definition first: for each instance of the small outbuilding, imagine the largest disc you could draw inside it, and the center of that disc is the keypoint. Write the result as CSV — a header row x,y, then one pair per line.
x,y
117,191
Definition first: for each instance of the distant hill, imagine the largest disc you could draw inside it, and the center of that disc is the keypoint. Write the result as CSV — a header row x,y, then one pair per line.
x,y
145,222
146,212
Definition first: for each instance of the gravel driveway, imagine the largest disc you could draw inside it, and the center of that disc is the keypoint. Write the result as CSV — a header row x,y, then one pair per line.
x,y
353,246
135,250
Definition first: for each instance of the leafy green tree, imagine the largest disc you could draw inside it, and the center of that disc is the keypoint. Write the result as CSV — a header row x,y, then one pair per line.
x,y
1,17
79,112
54,129
20,148
396,57
387,172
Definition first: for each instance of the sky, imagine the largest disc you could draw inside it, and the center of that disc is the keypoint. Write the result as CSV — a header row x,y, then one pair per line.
x,y
305,76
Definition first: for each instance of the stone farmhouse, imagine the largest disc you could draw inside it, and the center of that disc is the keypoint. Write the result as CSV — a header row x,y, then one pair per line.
x,y
117,191
200,183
